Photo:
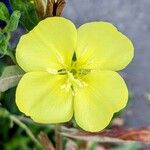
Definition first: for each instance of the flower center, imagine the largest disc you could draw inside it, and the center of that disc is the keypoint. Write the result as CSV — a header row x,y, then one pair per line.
x,y
77,73
73,71
73,81
74,76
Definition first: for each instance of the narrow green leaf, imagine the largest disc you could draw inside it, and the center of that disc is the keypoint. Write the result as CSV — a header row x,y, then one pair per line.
x,y
4,14
28,13
10,77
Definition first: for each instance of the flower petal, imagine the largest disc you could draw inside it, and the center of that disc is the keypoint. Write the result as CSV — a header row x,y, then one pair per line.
x,y
94,105
50,44
101,45
40,96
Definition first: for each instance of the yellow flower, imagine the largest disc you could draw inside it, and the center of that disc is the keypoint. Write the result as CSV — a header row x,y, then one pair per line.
x,y
73,72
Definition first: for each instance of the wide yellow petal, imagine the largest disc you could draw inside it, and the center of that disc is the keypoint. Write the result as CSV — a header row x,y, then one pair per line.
x,y
94,105
101,45
50,44
40,96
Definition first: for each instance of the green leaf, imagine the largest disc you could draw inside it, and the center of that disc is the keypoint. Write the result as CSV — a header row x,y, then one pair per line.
x,y
28,13
4,42
2,66
19,142
10,77
8,101
128,146
93,146
3,46
4,113
13,22
2,36
4,14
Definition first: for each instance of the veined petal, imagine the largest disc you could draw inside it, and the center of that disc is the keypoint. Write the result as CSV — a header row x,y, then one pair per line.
x,y
94,105
50,44
40,96
101,45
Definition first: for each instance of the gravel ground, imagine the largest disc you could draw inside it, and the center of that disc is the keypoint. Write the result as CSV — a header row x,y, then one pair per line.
x,y
132,18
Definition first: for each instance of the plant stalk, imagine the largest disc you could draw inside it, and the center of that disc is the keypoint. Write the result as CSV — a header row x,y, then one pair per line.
x,y
27,130
58,137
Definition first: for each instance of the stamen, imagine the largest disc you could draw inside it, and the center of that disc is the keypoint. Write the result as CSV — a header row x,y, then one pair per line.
x,y
72,82
66,86
52,71
76,82
62,71
84,71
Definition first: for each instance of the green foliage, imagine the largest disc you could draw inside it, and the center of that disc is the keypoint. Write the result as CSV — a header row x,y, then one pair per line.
x,y
12,24
4,41
93,146
128,146
5,124
2,66
18,143
3,113
28,13
10,77
15,133
8,101
4,14
5,33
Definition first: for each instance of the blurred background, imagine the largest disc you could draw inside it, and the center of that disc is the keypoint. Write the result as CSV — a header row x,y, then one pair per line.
x,y
132,18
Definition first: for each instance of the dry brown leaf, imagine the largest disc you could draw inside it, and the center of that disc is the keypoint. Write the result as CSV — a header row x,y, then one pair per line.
x,y
141,134
40,6
60,4
112,135
49,8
